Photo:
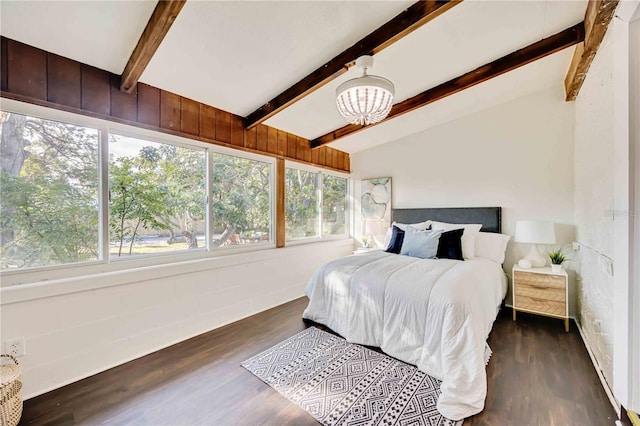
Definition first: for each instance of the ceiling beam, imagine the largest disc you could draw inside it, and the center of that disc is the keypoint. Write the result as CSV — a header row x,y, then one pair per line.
x,y
161,20
533,52
409,20
596,21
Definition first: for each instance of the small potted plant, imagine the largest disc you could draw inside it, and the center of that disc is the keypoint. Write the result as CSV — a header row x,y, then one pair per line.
x,y
365,242
557,259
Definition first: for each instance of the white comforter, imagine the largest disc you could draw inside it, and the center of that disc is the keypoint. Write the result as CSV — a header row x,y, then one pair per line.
x,y
435,314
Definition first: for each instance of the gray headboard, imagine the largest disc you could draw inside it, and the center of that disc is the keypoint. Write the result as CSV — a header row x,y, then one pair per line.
x,y
489,217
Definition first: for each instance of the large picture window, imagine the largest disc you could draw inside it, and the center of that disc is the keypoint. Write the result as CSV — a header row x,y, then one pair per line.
x,y
76,196
241,205
49,192
157,197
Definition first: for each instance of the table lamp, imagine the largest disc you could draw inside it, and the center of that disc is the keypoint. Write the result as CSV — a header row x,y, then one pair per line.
x,y
534,232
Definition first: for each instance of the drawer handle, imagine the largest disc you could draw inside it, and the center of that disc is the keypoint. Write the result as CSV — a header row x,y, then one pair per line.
x,y
538,299
541,287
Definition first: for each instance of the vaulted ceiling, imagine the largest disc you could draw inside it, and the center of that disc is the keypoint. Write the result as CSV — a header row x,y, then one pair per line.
x,y
239,55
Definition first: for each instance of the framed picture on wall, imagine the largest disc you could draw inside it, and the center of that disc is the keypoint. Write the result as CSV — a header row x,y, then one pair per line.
x,y
375,204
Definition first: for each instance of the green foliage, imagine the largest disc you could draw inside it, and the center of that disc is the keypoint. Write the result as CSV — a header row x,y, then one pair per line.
x,y
241,195
301,203
557,256
48,192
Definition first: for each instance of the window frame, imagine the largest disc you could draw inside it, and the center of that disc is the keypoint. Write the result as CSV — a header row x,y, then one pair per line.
x,y
105,178
106,264
348,219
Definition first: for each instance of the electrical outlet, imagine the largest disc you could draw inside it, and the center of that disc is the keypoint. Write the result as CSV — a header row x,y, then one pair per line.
x,y
15,347
576,246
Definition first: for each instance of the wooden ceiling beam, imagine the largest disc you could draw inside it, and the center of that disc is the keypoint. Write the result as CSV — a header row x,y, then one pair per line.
x,y
161,20
596,21
512,61
409,20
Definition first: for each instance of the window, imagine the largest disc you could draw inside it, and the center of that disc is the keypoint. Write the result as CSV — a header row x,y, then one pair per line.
x,y
301,203
334,205
241,205
82,194
157,197
316,204
49,192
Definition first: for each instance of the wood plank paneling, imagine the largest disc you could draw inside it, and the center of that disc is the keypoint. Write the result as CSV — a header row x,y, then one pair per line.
x,y
189,116
148,105
272,140
341,160
280,213
96,90
123,105
3,63
322,156
207,122
315,156
251,138
301,145
223,126
26,70
282,143
63,81
292,147
306,149
169,110
46,79
237,130
262,137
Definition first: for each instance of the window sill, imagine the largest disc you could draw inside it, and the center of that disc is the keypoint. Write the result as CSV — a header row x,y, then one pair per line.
x,y
87,277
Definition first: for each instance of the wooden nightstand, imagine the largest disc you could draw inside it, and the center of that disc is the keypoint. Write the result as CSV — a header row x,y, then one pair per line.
x,y
540,291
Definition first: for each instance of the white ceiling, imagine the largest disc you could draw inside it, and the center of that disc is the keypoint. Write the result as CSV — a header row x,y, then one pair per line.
x,y
238,55
98,33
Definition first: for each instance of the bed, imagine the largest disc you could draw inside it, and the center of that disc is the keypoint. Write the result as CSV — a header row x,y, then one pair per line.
x,y
434,313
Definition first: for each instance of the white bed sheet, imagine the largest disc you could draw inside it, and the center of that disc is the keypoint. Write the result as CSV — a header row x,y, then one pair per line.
x,y
435,314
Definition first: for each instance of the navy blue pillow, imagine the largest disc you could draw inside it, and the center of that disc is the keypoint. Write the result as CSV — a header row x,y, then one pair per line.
x,y
450,245
395,244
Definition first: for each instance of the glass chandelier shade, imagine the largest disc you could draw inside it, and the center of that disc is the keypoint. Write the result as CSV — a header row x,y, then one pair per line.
x,y
367,99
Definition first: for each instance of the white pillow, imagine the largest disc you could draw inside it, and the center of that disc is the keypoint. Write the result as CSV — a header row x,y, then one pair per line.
x,y
492,246
420,226
468,237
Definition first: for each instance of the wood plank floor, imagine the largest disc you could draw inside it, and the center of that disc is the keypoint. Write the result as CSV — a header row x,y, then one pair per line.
x,y
538,375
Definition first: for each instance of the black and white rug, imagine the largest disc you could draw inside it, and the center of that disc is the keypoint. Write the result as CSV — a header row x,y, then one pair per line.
x,y
340,383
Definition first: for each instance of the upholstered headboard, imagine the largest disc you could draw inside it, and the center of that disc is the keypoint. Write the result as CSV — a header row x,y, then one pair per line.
x,y
489,217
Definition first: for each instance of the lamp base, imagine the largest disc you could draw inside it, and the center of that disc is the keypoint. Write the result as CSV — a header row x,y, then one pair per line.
x,y
536,259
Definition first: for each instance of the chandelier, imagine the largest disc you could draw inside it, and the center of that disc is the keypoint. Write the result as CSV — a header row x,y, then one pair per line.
x,y
366,99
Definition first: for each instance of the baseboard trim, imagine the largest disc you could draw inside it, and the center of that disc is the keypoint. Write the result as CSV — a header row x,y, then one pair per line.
x,y
605,385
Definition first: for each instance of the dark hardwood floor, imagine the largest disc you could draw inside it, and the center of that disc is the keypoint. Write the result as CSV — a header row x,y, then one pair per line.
x,y
538,375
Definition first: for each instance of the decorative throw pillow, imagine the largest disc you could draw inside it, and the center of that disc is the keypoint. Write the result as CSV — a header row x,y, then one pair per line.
x,y
403,226
450,245
492,246
395,243
422,244
468,237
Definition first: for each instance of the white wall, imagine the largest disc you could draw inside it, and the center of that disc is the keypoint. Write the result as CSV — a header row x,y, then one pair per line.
x,y
594,197
518,156
74,335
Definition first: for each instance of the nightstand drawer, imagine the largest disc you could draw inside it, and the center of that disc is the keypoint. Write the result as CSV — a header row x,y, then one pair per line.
x,y
546,306
536,291
539,280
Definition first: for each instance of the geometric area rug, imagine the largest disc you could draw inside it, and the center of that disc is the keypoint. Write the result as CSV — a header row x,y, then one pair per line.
x,y
340,383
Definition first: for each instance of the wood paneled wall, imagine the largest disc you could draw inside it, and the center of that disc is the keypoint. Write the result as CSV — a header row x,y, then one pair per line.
x,y
32,75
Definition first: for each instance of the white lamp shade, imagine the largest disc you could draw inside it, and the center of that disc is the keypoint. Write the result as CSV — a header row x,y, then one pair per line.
x,y
536,232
